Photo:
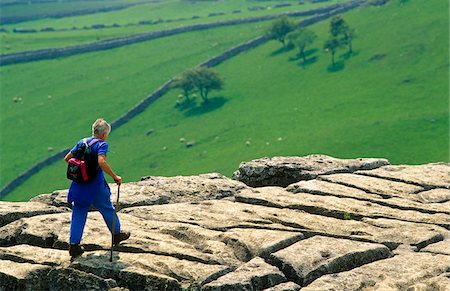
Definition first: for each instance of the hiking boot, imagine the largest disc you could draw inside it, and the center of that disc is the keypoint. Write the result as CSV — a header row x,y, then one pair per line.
x,y
75,250
121,237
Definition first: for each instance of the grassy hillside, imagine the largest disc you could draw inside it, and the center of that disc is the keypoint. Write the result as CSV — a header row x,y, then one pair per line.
x,y
390,99
74,90
173,13
21,9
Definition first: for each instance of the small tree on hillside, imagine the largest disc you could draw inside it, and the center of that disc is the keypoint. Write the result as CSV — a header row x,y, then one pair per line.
x,y
205,80
337,25
331,46
280,28
341,30
349,35
185,83
301,38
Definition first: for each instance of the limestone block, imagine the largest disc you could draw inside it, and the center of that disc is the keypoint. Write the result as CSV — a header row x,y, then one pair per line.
x,y
11,211
226,215
435,196
397,273
428,175
139,268
254,275
320,187
442,247
344,208
282,171
22,276
309,259
178,240
376,185
288,286
155,190
252,242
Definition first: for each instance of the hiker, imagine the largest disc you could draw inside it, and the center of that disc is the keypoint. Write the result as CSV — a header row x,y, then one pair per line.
x,y
95,192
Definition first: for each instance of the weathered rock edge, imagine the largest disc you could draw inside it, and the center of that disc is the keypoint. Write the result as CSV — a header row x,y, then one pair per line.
x,y
214,233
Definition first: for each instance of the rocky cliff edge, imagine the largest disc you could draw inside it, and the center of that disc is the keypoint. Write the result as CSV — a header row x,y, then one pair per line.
x,y
283,223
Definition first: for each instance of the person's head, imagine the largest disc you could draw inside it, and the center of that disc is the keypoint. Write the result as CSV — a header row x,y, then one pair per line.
x,y
101,129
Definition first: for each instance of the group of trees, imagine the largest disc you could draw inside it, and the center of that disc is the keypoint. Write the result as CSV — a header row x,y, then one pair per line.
x,y
341,35
201,80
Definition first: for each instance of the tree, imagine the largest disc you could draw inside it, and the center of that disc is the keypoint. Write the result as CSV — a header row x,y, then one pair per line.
x,y
280,28
337,26
205,80
340,28
331,46
185,83
349,35
301,38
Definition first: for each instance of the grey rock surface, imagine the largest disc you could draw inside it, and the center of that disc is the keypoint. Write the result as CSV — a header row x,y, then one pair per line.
x,y
354,224
288,286
253,275
431,201
398,273
11,211
344,208
154,190
429,175
282,171
309,259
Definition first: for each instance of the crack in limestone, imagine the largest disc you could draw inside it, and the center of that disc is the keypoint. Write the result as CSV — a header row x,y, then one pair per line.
x,y
339,214
376,201
425,187
385,196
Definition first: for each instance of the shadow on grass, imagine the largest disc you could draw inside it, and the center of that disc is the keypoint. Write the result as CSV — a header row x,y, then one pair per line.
x,y
309,58
282,50
211,105
186,104
308,62
311,52
338,66
348,55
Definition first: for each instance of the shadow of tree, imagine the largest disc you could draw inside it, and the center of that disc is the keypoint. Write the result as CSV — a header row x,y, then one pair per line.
x,y
348,55
282,50
212,104
338,66
308,62
186,104
311,52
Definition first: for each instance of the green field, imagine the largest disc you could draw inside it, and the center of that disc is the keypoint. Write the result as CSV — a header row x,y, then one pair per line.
x,y
174,13
39,8
389,99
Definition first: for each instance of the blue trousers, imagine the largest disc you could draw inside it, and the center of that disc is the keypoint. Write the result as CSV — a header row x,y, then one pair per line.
x,y
102,202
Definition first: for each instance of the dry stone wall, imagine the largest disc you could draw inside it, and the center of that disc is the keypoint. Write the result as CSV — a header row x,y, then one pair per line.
x,y
356,224
50,53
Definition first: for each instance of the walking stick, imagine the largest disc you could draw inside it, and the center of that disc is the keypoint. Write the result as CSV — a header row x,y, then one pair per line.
x,y
114,223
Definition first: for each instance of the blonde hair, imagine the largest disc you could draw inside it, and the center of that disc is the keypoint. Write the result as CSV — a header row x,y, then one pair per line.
x,y
100,126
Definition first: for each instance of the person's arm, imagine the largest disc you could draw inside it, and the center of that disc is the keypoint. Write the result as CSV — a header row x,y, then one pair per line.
x,y
107,169
68,157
